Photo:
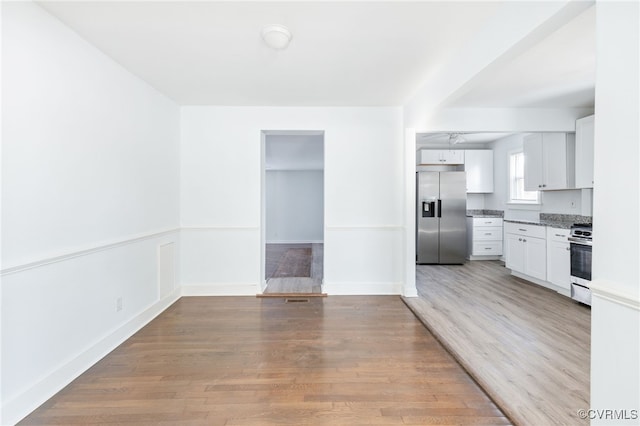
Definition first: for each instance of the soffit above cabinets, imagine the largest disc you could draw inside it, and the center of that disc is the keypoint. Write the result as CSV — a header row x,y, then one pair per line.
x,y
441,139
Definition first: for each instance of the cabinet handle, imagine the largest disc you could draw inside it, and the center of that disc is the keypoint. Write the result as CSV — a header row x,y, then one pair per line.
x,y
524,241
519,239
487,248
523,230
567,249
544,186
559,235
487,233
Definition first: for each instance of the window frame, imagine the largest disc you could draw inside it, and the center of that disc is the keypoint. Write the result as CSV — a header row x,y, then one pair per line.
x,y
512,179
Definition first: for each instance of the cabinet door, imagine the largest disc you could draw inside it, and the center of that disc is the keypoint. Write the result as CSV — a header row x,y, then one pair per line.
x,y
535,257
533,159
559,264
478,164
452,156
514,256
430,156
584,152
558,170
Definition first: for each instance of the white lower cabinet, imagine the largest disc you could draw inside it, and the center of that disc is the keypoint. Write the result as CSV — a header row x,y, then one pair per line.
x,y
514,252
484,238
559,259
526,249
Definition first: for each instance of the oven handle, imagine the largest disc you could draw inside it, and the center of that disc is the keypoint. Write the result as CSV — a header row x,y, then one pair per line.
x,y
580,241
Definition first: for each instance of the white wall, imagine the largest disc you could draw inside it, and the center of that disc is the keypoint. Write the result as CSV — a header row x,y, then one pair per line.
x,y
89,191
221,196
615,313
295,206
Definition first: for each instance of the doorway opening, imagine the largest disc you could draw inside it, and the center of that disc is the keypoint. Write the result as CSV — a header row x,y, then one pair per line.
x,y
292,212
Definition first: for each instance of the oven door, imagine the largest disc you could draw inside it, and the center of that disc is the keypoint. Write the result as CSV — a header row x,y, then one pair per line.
x,y
580,263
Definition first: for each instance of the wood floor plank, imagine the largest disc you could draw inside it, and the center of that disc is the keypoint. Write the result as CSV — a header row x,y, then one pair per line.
x,y
250,361
528,346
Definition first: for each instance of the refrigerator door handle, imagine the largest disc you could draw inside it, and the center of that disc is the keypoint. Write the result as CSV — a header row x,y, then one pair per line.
x,y
439,208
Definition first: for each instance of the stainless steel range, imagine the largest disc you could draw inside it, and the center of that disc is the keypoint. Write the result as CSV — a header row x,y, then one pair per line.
x,y
581,244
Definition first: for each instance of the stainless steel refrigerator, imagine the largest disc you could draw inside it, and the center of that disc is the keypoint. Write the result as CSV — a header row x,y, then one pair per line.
x,y
441,234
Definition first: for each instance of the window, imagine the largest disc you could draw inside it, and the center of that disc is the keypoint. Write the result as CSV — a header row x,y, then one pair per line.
x,y
517,194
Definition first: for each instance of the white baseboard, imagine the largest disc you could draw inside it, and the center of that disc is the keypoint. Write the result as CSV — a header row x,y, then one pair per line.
x,y
542,283
472,257
21,405
366,288
220,289
410,291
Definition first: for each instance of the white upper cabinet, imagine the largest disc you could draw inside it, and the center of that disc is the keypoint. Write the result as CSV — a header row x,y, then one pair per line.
x,y
584,152
549,161
533,159
442,156
478,164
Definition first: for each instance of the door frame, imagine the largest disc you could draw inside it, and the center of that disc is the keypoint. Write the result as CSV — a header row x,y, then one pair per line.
x,y
262,281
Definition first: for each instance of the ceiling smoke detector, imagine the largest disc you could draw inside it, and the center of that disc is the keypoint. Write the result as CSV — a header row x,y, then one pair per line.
x,y
276,36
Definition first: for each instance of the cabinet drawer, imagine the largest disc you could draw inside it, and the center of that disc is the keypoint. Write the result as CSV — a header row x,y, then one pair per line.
x,y
487,221
537,231
493,248
487,233
558,234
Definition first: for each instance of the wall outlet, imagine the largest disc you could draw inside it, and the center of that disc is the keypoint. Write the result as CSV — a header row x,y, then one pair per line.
x,y
118,304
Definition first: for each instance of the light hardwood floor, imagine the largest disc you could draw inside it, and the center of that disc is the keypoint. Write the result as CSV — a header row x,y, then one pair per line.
x,y
527,346
250,361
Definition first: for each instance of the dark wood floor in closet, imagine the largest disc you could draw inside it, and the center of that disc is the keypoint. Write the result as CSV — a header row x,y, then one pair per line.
x,y
294,268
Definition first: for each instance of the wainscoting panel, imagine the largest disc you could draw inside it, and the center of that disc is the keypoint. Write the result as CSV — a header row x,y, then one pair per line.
x,y
217,261
166,269
62,315
363,260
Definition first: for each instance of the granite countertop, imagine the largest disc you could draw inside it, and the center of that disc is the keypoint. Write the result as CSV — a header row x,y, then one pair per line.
x,y
562,221
485,213
551,223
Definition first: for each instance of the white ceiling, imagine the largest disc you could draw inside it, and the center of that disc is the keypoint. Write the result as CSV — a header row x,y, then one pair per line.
x,y
342,53
558,72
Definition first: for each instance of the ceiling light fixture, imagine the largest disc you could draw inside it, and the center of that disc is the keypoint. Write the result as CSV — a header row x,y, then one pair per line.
x,y
276,36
